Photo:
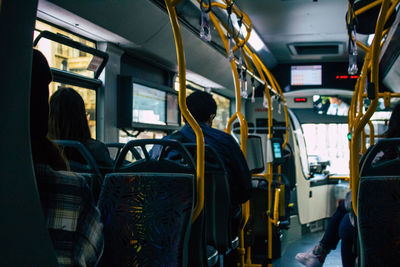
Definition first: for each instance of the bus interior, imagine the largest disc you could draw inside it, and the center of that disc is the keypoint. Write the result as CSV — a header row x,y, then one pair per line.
x,y
304,86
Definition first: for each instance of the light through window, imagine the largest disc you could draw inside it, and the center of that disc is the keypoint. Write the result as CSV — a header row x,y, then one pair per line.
x,y
328,142
63,57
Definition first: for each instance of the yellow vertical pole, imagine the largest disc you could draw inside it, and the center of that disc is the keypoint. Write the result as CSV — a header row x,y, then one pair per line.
x,y
371,133
258,64
185,112
363,147
359,125
243,135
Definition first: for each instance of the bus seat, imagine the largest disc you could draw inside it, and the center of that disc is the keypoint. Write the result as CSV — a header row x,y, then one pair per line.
x,y
90,170
218,215
379,207
168,175
115,149
77,146
147,218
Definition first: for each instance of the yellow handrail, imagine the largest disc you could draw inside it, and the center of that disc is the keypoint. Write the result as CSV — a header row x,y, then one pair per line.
x,y
238,13
382,95
360,124
269,174
243,133
275,217
367,7
185,112
371,133
285,110
243,124
356,102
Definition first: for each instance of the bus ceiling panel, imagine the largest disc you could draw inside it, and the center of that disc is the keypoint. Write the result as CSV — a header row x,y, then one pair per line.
x,y
136,21
205,66
281,22
200,57
61,17
153,35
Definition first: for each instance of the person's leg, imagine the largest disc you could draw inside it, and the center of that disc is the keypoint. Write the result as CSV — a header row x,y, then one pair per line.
x,y
331,236
329,241
346,233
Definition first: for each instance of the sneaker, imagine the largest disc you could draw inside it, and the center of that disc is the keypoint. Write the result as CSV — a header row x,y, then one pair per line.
x,y
312,258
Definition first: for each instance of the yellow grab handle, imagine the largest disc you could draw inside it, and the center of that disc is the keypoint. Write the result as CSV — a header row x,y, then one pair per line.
x,y
185,112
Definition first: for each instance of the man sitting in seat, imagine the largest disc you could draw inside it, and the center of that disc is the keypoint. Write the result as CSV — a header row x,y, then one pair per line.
x,y
204,108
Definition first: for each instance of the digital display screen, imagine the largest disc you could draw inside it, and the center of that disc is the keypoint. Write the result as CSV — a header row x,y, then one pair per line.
x,y
300,99
148,105
306,75
277,150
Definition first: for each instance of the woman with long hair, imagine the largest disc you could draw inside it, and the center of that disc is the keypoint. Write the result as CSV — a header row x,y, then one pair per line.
x,y
68,121
71,216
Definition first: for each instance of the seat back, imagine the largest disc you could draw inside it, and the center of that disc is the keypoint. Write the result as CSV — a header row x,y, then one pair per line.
x,y
217,200
89,169
115,148
379,206
147,207
147,218
89,166
149,163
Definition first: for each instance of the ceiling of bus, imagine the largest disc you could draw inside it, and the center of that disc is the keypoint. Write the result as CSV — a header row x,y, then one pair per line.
x,y
143,27
284,22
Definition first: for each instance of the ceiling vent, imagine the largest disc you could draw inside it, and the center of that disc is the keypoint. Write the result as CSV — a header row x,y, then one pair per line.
x,y
307,49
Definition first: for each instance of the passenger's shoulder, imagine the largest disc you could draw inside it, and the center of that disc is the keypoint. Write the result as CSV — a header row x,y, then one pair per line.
x,y
223,135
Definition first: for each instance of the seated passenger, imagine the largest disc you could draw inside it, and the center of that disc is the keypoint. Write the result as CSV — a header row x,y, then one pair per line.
x,y
68,121
204,108
341,224
71,215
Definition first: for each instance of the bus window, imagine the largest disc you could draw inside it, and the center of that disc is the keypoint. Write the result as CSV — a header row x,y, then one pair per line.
x,y
223,103
89,97
223,111
328,142
63,57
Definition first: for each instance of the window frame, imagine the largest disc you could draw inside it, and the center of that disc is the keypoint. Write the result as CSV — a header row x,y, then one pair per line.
x,y
77,45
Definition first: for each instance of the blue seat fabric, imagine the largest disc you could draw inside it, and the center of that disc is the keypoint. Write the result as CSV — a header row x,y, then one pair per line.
x,y
147,219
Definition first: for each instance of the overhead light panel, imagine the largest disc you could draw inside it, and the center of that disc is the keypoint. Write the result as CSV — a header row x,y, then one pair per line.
x,y
370,39
255,41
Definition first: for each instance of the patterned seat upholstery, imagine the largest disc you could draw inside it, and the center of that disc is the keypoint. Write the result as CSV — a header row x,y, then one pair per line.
x,y
379,220
379,205
147,218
